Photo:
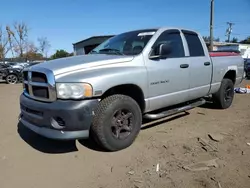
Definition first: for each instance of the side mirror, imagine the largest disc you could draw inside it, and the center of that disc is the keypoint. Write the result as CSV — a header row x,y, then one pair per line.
x,y
161,51
164,50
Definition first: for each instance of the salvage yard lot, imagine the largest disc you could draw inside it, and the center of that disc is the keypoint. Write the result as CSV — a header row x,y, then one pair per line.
x,y
30,161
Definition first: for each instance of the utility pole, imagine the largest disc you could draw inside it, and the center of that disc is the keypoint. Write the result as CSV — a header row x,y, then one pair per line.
x,y
229,30
211,25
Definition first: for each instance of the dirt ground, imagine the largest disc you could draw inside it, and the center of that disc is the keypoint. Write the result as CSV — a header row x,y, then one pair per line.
x,y
160,156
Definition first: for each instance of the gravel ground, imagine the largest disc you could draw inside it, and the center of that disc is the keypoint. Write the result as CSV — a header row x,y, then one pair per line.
x,y
172,152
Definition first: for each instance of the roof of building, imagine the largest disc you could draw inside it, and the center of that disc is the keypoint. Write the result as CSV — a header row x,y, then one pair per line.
x,y
94,37
225,43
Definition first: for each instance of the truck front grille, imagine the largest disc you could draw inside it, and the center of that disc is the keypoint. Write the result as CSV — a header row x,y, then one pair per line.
x,y
39,85
39,91
39,77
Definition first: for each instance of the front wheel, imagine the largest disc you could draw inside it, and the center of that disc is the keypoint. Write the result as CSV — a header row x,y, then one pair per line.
x,y
224,97
11,79
117,122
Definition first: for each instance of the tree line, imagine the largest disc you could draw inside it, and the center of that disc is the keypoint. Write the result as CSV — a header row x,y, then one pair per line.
x,y
233,40
15,42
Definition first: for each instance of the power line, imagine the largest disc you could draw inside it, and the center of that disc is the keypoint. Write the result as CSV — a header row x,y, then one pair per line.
x,y
241,21
214,28
241,34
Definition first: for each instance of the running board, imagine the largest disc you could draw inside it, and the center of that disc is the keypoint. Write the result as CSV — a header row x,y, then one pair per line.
x,y
175,110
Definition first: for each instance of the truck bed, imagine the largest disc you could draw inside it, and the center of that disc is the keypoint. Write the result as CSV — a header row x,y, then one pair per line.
x,y
223,61
223,53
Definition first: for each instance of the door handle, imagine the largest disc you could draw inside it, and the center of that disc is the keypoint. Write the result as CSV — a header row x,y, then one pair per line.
x,y
207,63
183,66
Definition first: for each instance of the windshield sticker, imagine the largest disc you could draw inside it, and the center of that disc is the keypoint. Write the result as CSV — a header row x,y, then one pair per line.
x,y
146,33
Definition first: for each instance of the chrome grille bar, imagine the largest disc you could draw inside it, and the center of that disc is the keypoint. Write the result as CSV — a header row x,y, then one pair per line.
x,y
49,86
29,86
41,84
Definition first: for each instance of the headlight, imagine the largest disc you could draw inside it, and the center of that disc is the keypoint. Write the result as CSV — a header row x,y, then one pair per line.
x,y
73,90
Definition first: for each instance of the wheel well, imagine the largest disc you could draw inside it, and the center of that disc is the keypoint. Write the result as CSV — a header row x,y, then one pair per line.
x,y
12,74
130,90
231,75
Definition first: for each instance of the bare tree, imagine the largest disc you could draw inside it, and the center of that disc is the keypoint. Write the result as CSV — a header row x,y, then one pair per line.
x,y
43,46
30,51
18,35
5,46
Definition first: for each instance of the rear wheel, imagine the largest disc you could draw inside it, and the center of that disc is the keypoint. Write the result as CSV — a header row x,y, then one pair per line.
x,y
11,79
224,97
117,122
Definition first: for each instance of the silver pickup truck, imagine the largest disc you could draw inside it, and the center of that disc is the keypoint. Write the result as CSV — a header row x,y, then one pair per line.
x,y
150,73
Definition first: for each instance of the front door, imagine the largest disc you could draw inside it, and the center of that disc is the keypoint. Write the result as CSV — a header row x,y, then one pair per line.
x,y
168,78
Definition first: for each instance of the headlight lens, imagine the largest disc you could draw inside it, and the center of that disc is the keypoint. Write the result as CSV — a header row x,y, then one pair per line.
x,y
73,90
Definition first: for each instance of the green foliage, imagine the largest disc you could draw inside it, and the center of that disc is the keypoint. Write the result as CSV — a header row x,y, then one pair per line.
x,y
60,54
234,40
207,39
31,56
246,41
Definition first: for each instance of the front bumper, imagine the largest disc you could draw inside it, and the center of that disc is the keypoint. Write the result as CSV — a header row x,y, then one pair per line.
x,y
74,117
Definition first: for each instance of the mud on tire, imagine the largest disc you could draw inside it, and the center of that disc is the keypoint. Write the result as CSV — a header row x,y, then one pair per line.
x,y
117,122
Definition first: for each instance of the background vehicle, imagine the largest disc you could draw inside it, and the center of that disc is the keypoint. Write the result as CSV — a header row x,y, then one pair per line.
x,y
247,67
32,63
151,73
16,65
10,74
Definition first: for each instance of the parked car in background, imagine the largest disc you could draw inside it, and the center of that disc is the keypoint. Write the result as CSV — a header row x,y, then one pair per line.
x,y
247,68
15,65
32,63
10,74
22,65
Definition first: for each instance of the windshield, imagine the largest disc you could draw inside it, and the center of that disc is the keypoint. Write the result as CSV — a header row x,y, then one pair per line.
x,y
129,43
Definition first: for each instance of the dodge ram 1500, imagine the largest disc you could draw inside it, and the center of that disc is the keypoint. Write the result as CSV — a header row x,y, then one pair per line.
x,y
131,76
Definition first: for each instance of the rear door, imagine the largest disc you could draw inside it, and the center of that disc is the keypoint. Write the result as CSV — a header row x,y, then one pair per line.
x,y
200,65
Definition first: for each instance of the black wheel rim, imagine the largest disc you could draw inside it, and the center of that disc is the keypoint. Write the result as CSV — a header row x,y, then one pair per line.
x,y
12,79
122,124
229,92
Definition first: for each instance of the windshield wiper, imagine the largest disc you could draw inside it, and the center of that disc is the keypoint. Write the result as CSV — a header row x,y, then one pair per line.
x,y
111,50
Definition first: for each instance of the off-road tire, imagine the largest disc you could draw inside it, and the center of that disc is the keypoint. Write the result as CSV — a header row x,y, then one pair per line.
x,y
219,97
102,122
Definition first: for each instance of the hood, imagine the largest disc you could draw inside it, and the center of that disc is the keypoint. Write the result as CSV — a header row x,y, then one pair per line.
x,y
68,64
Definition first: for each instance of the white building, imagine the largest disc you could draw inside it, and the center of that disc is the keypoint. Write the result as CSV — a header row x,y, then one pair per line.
x,y
85,46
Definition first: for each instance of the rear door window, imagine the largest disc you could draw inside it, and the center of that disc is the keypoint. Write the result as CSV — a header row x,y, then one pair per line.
x,y
194,44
